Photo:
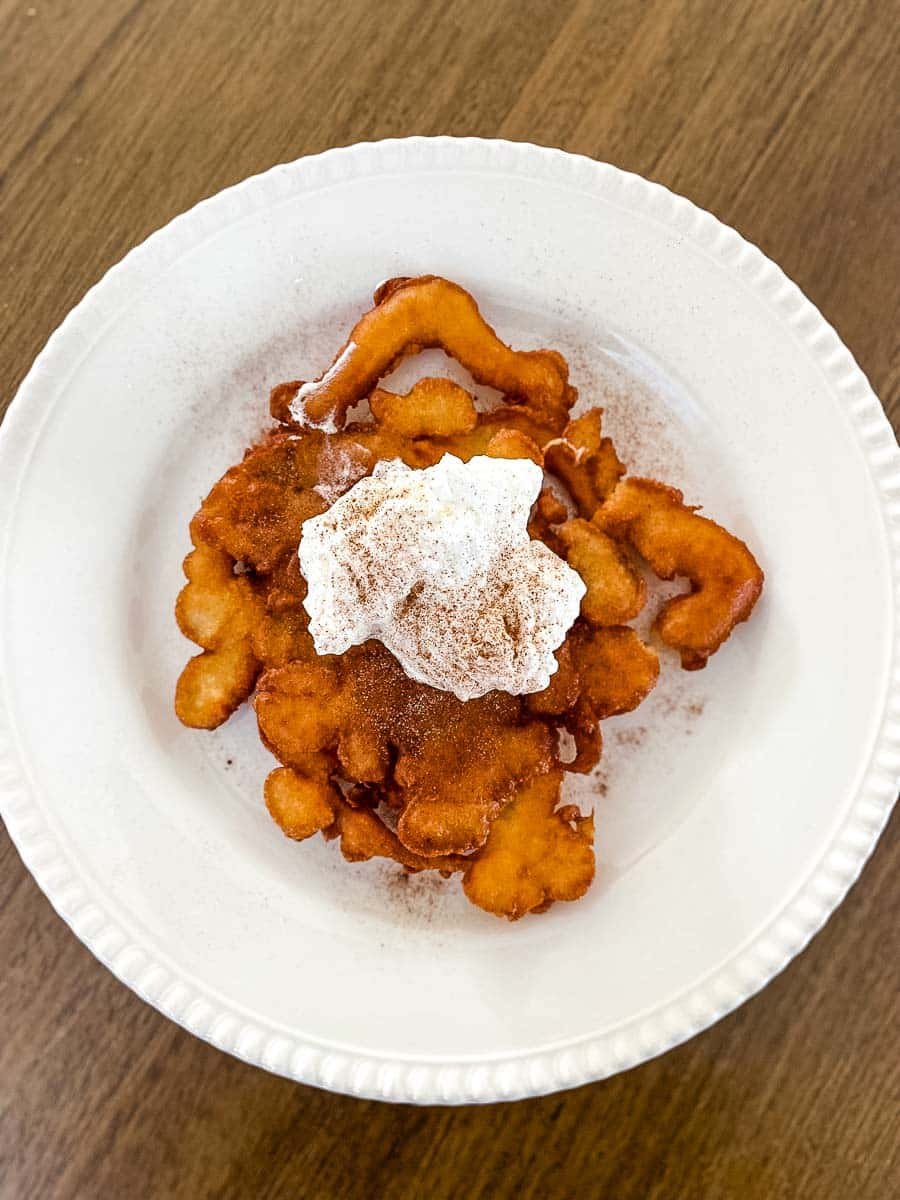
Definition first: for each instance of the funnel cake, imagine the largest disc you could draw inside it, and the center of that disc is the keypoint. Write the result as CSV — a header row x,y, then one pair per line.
x,y
390,767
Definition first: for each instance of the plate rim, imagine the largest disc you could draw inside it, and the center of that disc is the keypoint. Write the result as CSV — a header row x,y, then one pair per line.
x,y
507,1076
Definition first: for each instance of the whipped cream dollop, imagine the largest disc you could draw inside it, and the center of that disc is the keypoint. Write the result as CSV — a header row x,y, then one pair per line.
x,y
438,565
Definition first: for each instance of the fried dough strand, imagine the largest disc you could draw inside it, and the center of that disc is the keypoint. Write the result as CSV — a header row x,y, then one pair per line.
x,y
585,461
535,854
432,408
413,314
511,443
726,579
218,611
300,804
616,592
305,803
364,835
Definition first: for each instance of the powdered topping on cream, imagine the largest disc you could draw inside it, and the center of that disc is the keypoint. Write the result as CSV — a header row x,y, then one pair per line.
x,y
438,565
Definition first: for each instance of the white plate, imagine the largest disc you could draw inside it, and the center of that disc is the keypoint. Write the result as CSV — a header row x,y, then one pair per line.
x,y
740,802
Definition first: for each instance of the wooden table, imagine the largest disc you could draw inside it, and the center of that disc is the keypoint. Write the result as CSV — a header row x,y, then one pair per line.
x,y
114,117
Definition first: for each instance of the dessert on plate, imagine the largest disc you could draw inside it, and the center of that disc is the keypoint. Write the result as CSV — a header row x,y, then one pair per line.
x,y
429,604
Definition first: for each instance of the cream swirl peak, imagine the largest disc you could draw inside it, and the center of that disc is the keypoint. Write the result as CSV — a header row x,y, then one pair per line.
x,y
438,565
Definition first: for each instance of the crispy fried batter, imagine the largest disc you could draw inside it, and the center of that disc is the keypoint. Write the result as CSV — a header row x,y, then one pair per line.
x,y
282,637
616,670
511,443
432,408
300,805
562,692
726,579
608,670
534,854
219,611
256,510
376,443
463,774
285,586
280,399
602,673
473,786
216,606
309,803
490,424
414,314
548,512
300,709
615,590
456,763
243,622
364,835
213,684
585,461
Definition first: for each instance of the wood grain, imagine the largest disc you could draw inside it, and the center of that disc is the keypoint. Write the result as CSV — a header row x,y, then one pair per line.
x,y
114,116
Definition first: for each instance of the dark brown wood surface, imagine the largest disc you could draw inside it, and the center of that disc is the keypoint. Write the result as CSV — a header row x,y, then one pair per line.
x,y
778,115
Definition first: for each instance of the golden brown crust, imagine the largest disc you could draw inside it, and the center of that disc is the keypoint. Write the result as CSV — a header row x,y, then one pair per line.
x,y
535,854
432,408
497,421
219,611
257,509
213,684
462,776
585,461
280,399
455,763
616,671
415,314
726,579
562,692
602,673
615,590
300,710
300,805
364,835
548,512
512,443
470,787
303,804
